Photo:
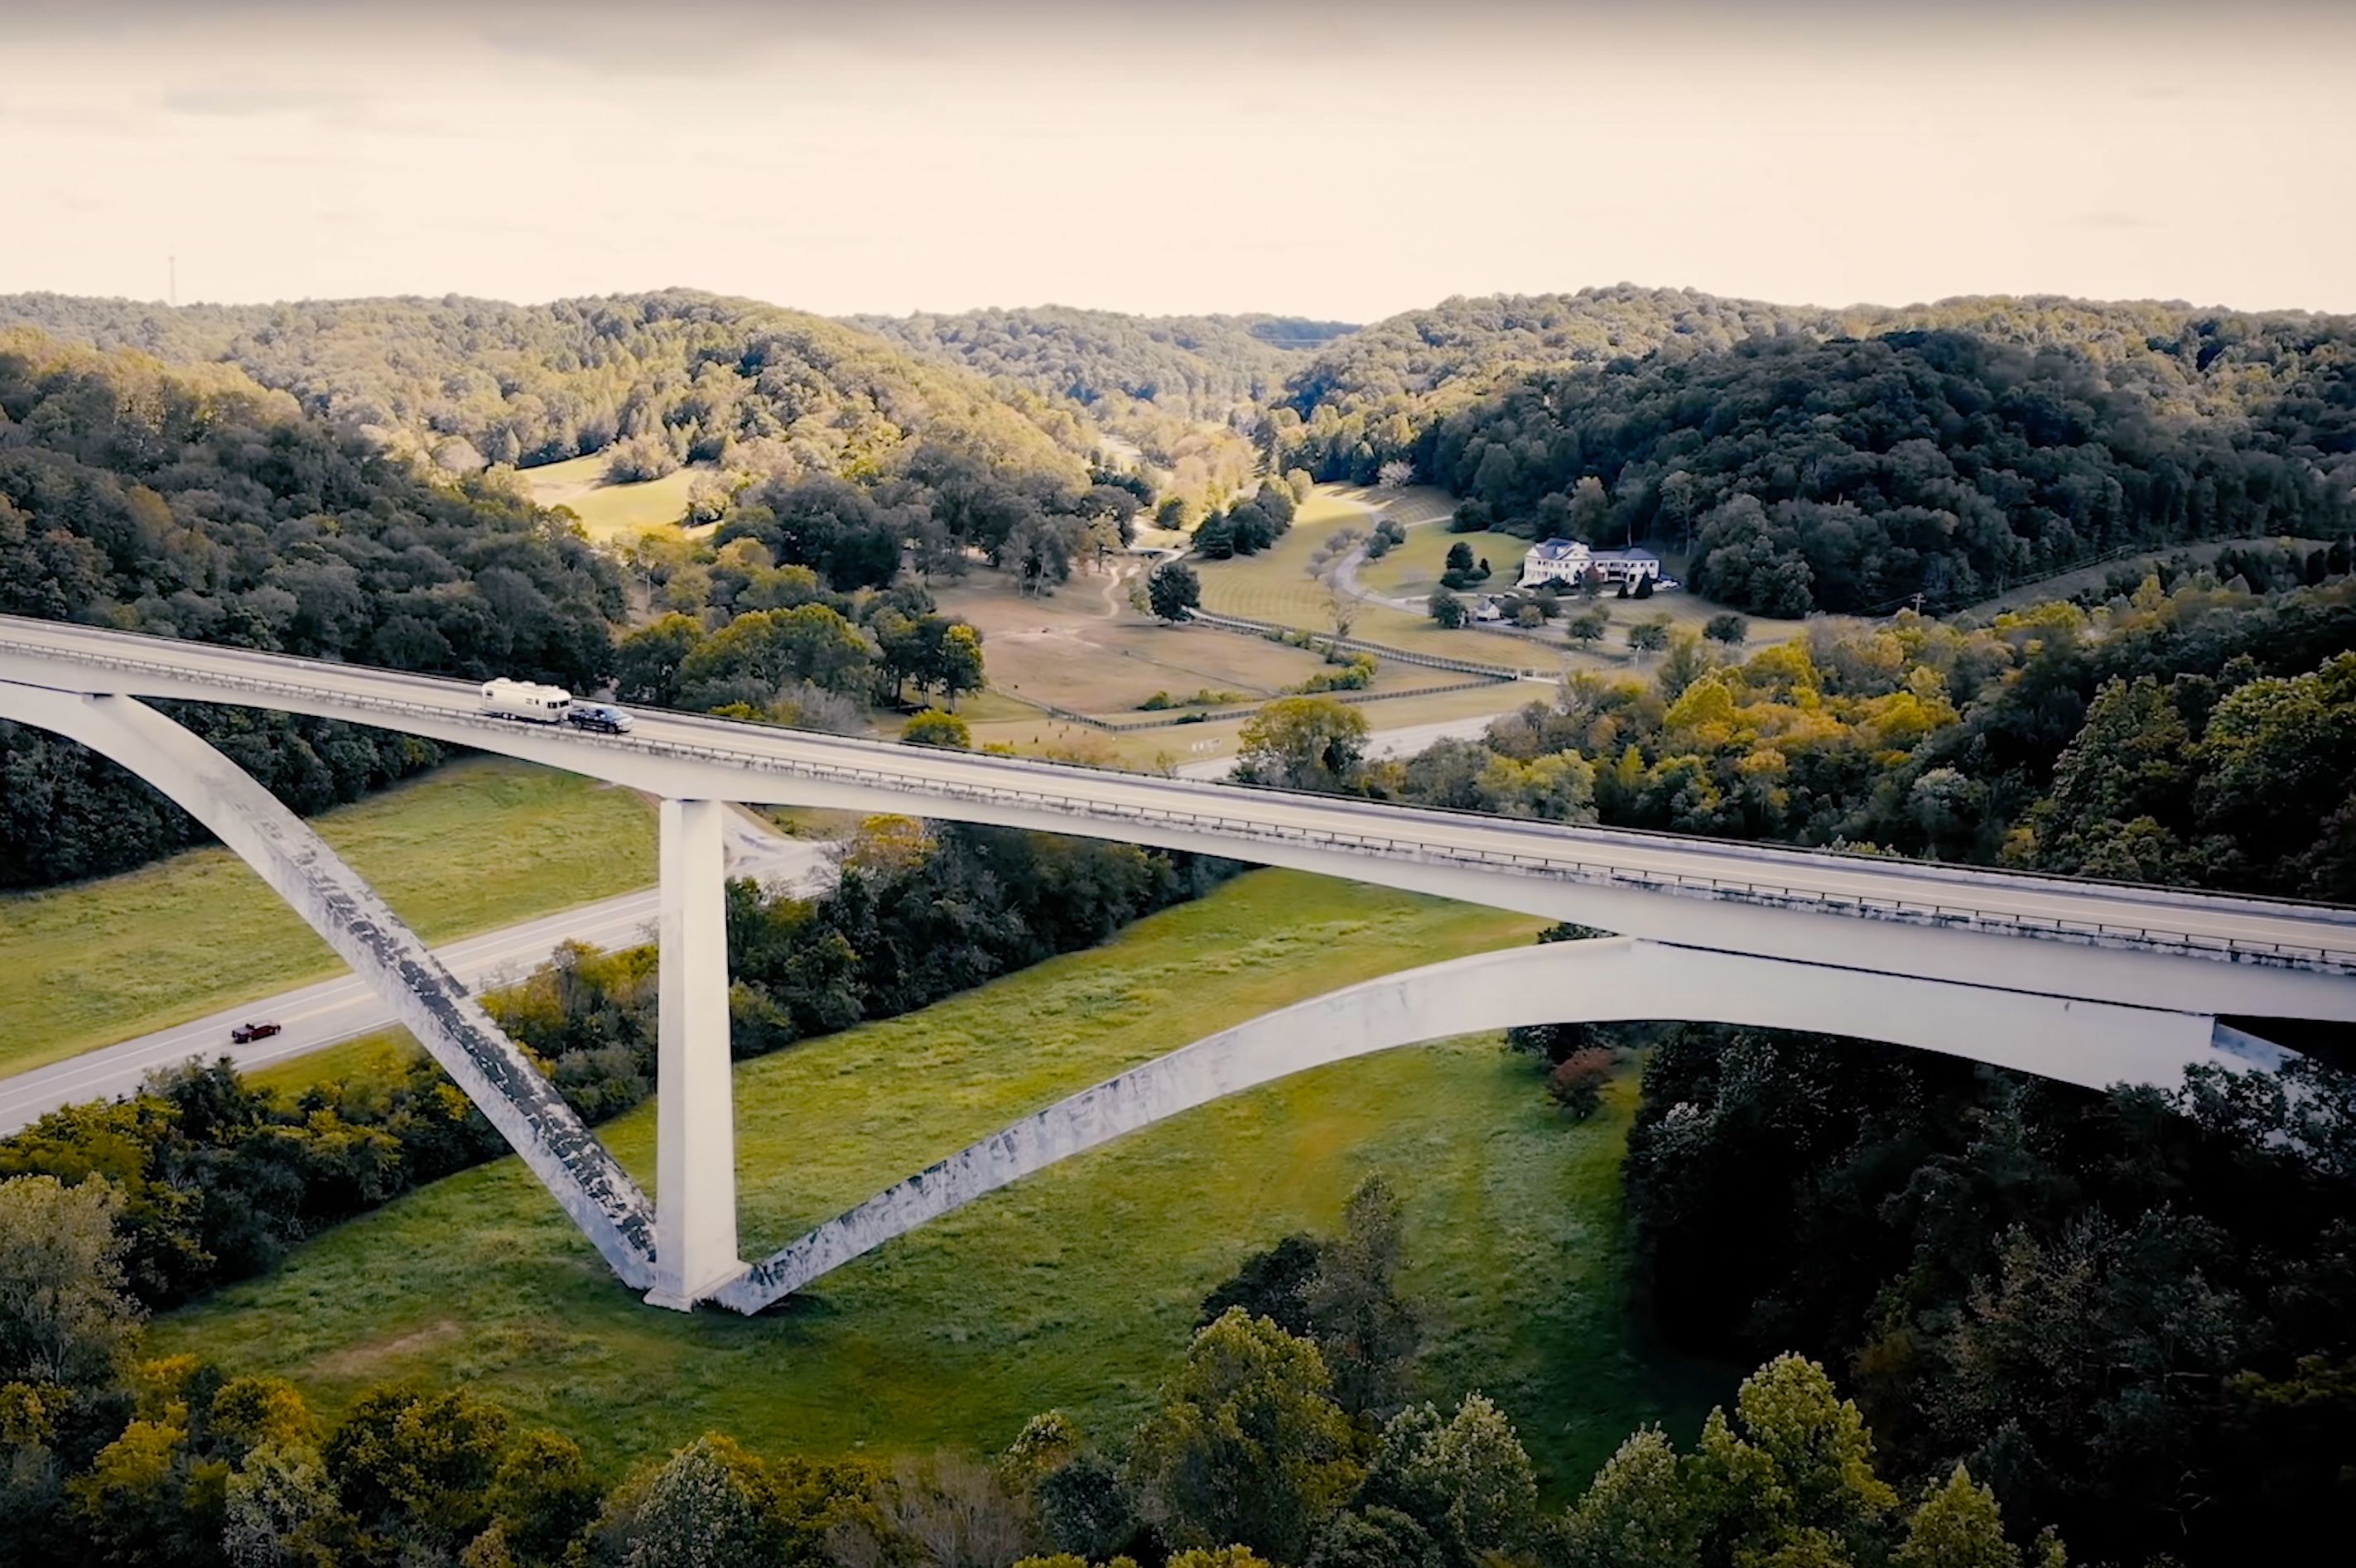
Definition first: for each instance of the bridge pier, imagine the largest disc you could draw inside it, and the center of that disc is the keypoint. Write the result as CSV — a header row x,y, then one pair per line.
x,y
695,1116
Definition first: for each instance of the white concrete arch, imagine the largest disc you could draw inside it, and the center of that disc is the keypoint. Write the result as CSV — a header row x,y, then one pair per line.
x,y
333,900
2094,1044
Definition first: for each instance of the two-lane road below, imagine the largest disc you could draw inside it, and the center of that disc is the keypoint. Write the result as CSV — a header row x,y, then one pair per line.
x,y
336,1010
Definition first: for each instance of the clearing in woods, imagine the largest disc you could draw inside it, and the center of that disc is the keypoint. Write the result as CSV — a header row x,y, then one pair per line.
x,y
610,511
1075,1288
473,846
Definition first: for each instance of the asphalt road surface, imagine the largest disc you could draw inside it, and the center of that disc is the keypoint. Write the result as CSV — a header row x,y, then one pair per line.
x,y
340,1010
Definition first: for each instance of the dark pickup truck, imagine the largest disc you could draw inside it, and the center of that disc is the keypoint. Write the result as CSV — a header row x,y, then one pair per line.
x,y
245,1034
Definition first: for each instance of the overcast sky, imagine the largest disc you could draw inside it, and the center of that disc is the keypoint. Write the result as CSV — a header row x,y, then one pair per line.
x,y
1338,161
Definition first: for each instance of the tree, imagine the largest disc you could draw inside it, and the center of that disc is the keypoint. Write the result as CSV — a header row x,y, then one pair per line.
x,y
1576,1082
1301,743
1637,1513
1728,628
415,1465
1649,637
280,1510
544,1497
1644,586
1459,557
1364,1327
934,727
957,667
1688,660
1173,591
1586,627
1466,1479
1395,474
1446,609
1247,1444
701,1509
64,1318
1958,1526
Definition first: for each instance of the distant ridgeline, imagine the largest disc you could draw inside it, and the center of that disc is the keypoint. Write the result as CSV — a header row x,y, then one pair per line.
x,y
677,377
1848,460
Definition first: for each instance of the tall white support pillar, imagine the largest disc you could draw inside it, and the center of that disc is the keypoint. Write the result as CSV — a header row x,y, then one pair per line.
x,y
695,1118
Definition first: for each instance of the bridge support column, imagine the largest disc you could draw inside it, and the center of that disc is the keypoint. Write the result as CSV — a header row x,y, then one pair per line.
x,y
695,1118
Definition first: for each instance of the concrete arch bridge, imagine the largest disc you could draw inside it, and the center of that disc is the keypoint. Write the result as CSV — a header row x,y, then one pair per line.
x,y
2086,981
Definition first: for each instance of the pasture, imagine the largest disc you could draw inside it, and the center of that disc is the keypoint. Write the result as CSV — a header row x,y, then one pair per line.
x,y
1075,1288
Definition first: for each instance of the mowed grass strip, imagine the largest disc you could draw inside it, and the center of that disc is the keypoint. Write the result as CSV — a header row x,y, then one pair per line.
x,y
1076,1287
480,844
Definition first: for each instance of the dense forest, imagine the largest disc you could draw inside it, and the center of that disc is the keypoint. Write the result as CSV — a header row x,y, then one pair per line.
x,y
660,379
1854,473
1201,368
1848,460
193,502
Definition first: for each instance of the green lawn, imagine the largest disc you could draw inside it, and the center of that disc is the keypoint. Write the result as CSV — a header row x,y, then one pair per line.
x,y
1412,570
1073,1288
611,511
473,846
1275,586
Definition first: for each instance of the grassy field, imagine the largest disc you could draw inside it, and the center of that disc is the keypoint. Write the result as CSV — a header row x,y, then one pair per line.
x,y
611,511
1085,650
1275,586
1075,1288
1032,733
478,845
1412,570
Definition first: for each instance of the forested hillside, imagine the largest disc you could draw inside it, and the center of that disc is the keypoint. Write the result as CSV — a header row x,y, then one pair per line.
x,y
658,378
1367,398
1186,391
193,502
1852,474
1195,367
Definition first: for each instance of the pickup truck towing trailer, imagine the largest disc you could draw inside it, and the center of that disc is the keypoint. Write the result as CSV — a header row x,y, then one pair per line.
x,y
524,700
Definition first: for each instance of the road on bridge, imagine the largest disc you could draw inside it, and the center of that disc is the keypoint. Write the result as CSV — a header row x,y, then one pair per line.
x,y
333,1011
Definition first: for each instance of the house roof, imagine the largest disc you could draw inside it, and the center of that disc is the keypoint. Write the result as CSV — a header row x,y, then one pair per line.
x,y
1558,549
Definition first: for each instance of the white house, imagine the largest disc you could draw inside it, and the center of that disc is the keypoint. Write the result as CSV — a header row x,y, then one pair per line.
x,y
1567,560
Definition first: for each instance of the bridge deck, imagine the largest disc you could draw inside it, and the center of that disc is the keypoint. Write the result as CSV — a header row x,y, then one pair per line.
x,y
1107,804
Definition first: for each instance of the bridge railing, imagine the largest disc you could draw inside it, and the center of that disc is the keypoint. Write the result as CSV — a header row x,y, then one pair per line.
x,y
874,771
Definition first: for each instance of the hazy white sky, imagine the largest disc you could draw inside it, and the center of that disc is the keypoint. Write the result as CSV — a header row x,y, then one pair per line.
x,y
1339,161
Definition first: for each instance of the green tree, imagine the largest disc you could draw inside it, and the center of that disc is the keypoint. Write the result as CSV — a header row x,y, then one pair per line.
x,y
934,727
1649,637
1586,627
1301,743
1728,628
64,1316
415,1465
280,1510
544,1497
1459,557
1364,1329
647,661
1636,1513
1446,609
1247,1444
1688,660
1799,1475
701,1509
1958,1526
1173,590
